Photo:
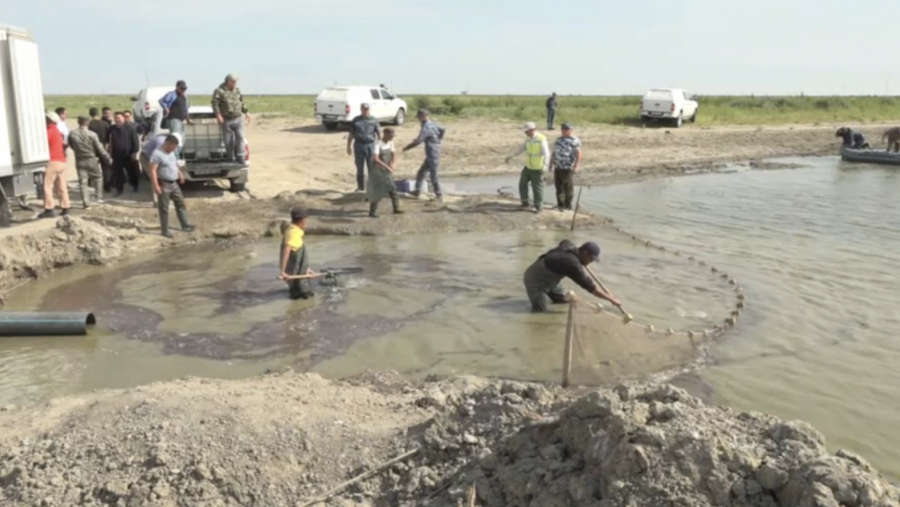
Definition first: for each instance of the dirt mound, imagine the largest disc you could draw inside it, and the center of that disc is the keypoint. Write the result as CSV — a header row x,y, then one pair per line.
x,y
641,446
285,439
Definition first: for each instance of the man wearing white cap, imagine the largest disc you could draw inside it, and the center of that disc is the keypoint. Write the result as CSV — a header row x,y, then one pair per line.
x,y
537,158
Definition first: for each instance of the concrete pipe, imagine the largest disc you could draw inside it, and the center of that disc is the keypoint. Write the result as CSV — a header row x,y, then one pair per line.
x,y
45,323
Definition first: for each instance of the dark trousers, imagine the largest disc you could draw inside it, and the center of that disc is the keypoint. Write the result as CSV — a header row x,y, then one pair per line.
x,y
171,192
551,116
107,175
429,168
125,169
365,160
565,188
298,264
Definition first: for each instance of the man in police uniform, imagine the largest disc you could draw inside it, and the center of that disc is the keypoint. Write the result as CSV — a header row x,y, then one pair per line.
x,y
364,133
228,104
89,152
431,134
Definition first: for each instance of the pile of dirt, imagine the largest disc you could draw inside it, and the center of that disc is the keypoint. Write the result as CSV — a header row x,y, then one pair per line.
x,y
285,439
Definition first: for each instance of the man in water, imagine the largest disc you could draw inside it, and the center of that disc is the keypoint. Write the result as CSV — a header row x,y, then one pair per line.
x,y
542,278
294,258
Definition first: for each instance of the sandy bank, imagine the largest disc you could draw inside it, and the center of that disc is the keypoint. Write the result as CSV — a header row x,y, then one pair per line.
x,y
284,439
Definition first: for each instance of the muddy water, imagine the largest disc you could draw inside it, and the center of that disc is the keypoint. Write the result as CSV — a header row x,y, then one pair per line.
x,y
424,304
817,251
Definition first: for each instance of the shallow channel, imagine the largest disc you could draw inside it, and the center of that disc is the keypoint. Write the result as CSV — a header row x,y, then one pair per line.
x,y
425,304
817,251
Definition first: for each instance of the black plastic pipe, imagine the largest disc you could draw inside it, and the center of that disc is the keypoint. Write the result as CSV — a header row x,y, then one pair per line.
x,y
45,323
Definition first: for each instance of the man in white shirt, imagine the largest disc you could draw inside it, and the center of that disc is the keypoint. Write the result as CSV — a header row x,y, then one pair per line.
x,y
61,125
537,159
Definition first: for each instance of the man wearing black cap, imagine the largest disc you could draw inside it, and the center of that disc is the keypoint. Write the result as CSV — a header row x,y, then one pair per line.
x,y
175,106
543,277
365,131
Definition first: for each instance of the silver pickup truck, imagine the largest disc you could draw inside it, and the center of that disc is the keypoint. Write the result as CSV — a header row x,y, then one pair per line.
x,y
203,150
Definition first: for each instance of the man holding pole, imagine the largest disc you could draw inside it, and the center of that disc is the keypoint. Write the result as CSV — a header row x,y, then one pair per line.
x,y
543,277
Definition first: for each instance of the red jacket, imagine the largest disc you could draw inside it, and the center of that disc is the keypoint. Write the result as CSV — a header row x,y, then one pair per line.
x,y
55,139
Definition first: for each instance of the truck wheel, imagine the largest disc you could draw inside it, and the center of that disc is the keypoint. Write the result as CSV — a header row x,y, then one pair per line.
x,y
330,125
400,118
679,121
237,187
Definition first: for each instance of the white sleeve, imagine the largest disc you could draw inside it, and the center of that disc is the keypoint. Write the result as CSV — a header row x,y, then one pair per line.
x,y
378,148
545,150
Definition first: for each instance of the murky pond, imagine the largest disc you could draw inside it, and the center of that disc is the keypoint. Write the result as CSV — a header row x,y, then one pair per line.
x,y
817,251
424,304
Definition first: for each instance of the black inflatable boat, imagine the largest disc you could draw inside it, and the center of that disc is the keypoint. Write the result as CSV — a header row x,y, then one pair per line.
x,y
870,156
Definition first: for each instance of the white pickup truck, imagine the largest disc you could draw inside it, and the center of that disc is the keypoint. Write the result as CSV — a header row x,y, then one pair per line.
x,y
339,105
203,149
672,105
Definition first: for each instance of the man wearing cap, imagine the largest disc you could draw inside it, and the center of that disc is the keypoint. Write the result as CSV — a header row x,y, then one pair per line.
x,y
542,278
431,134
175,106
537,158
228,104
564,164
365,131
89,153
294,259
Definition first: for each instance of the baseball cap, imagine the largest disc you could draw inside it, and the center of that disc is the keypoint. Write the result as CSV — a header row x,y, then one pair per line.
x,y
365,105
52,116
593,249
231,77
529,126
181,85
567,126
298,213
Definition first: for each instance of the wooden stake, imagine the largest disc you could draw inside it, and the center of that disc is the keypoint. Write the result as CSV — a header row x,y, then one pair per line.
x,y
628,317
567,352
577,204
340,487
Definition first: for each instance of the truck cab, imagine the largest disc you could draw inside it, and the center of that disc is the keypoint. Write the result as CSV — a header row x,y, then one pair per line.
x,y
24,152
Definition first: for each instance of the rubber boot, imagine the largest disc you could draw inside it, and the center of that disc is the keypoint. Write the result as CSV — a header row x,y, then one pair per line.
x,y
182,218
373,210
395,201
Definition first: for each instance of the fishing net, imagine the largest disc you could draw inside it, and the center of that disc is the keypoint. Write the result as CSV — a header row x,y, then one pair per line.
x,y
605,344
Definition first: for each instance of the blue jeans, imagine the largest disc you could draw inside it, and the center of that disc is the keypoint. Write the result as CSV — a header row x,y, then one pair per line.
x,y
177,126
365,159
551,115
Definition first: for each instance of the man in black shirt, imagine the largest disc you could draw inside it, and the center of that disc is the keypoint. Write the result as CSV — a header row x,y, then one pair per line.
x,y
124,145
107,117
543,277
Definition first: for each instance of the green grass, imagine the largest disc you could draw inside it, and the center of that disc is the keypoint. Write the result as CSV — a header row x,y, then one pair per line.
x,y
714,110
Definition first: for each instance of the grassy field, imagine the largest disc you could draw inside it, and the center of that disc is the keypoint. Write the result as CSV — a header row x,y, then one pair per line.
x,y
721,110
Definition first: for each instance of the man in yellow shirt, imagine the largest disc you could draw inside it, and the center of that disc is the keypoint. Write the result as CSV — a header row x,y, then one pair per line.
x,y
294,260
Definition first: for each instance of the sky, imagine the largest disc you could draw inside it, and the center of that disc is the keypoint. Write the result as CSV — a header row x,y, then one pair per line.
x,y
588,47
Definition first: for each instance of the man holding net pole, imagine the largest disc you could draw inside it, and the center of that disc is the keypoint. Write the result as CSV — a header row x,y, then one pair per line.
x,y
543,277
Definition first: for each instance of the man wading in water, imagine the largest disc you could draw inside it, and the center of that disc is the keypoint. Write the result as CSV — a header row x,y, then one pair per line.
x,y
543,277
294,261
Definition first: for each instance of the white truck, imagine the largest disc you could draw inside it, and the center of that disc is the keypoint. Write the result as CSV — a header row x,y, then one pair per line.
x,y
339,105
146,103
203,149
24,151
672,105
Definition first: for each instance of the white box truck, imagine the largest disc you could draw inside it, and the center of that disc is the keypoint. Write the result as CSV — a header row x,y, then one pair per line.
x,y
23,130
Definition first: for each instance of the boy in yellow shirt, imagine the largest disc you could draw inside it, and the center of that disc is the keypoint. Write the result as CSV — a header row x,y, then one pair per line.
x,y
294,260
